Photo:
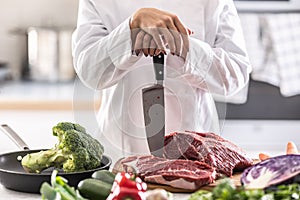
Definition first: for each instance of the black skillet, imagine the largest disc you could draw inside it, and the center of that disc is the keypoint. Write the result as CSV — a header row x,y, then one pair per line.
x,y
13,176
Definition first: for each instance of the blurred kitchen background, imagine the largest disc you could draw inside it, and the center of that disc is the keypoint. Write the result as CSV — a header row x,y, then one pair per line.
x,y
16,17
38,86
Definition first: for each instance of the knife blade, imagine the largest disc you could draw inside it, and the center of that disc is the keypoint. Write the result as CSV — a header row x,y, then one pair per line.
x,y
154,109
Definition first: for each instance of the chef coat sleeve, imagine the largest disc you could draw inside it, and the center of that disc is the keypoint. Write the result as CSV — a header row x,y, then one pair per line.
x,y
222,68
100,57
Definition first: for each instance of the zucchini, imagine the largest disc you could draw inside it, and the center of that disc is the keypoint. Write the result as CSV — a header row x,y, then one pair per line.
x,y
94,189
104,175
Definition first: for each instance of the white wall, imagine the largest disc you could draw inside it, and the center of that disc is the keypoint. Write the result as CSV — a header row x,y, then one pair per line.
x,y
21,14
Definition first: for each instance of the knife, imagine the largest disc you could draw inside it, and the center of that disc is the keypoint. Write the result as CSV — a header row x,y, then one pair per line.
x,y
154,109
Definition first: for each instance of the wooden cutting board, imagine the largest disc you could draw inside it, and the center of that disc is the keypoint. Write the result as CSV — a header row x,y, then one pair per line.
x,y
235,178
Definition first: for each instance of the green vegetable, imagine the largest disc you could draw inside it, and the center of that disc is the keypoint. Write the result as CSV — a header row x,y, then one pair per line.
x,y
201,195
104,175
76,151
48,192
59,189
226,190
94,189
286,192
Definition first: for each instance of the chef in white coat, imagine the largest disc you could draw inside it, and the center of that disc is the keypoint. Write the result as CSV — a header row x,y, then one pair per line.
x,y
113,46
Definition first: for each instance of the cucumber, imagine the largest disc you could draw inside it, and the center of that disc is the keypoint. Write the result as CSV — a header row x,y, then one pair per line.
x,y
94,189
104,175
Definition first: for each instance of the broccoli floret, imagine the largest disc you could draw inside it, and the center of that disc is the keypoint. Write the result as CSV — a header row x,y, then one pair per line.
x,y
75,151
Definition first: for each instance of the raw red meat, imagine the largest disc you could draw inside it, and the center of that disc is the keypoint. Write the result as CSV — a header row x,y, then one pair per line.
x,y
192,160
208,148
184,174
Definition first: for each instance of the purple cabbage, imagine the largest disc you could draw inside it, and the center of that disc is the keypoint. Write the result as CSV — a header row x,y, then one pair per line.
x,y
271,172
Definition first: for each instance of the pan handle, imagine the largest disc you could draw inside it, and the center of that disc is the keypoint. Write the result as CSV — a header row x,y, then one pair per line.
x,y
14,136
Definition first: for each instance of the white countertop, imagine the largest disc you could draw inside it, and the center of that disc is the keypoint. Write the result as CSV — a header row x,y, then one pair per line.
x,y
14,195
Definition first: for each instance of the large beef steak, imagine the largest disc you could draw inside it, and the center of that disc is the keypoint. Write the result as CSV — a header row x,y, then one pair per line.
x,y
184,174
208,148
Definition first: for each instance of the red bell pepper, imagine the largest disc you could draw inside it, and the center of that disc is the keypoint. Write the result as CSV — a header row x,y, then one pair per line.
x,y
127,187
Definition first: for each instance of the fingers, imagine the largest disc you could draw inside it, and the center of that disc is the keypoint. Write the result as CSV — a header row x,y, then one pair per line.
x,y
184,36
156,35
138,44
146,44
159,42
152,48
176,36
168,38
165,28
185,46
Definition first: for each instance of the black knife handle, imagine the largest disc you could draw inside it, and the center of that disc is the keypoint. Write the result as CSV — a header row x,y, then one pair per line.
x,y
158,62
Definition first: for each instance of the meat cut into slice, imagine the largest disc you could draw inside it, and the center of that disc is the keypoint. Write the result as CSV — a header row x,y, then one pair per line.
x,y
184,174
208,148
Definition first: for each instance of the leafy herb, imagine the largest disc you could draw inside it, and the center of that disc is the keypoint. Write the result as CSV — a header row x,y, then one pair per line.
x,y
226,190
59,189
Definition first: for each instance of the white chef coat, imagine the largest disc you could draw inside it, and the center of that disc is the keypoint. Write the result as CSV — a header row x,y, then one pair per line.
x,y
217,63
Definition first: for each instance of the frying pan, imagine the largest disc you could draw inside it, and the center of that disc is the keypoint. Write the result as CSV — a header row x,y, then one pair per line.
x,y
14,177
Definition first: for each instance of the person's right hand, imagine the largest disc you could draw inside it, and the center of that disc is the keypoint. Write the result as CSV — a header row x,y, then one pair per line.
x,y
159,29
